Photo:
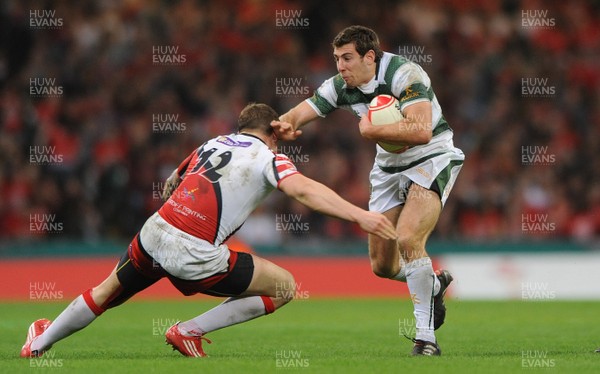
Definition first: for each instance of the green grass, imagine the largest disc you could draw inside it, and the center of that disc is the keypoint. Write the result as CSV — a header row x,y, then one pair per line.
x,y
330,336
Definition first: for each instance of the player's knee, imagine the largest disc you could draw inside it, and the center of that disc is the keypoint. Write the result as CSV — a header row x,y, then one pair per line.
x,y
410,245
285,289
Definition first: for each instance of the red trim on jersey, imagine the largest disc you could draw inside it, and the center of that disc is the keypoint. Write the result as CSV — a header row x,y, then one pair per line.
x,y
184,164
87,297
269,306
284,166
289,175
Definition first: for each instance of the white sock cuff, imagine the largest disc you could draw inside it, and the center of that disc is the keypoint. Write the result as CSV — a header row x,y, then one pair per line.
x,y
420,262
401,276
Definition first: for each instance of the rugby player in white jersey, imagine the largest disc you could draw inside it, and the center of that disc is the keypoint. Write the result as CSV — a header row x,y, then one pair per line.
x,y
409,185
209,196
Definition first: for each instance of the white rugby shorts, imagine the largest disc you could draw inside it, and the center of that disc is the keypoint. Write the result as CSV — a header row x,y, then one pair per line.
x,y
438,172
181,254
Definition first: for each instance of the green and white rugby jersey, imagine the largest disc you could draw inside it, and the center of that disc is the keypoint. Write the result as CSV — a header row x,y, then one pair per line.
x,y
406,81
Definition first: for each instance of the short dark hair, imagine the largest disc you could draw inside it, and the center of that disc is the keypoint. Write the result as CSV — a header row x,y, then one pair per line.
x,y
256,116
364,40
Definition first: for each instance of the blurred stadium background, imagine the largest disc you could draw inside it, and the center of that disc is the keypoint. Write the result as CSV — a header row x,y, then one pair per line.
x,y
100,100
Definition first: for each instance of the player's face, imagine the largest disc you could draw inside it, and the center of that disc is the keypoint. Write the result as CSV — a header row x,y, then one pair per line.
x,y
354,68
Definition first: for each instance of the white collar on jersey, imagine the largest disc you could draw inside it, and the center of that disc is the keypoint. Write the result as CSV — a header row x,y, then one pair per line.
x,y
379,77
253,136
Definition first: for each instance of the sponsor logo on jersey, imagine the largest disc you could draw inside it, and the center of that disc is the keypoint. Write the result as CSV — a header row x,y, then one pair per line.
x,y
189,194
409,94
232,142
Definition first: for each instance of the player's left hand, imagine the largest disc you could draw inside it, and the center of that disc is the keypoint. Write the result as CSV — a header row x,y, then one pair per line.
x,y
285,130
377,224
366,127
170,185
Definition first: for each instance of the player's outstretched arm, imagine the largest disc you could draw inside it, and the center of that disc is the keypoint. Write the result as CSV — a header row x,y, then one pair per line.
x,y
324,200
287,128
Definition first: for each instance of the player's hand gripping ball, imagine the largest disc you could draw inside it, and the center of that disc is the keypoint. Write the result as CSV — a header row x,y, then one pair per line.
x,y
385,110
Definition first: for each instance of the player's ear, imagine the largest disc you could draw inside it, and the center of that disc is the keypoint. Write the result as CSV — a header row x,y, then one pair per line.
x,y
274,139
370,56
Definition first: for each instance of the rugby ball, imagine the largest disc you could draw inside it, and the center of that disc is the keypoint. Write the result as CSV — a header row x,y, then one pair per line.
x,y
385,110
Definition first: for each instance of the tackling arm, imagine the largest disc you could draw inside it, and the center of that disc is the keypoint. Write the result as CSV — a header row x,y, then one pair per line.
x,y
322,199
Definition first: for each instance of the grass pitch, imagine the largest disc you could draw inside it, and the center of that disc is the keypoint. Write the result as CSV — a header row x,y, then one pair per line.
x,y
321,336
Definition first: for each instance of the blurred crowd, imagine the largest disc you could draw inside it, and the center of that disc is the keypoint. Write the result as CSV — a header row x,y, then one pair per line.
x,y
100,100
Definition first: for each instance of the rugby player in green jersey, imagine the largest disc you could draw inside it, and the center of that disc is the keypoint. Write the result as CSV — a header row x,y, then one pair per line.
x,y
409,185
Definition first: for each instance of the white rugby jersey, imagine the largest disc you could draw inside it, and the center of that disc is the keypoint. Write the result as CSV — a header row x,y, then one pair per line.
x,y
401,78
224,180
